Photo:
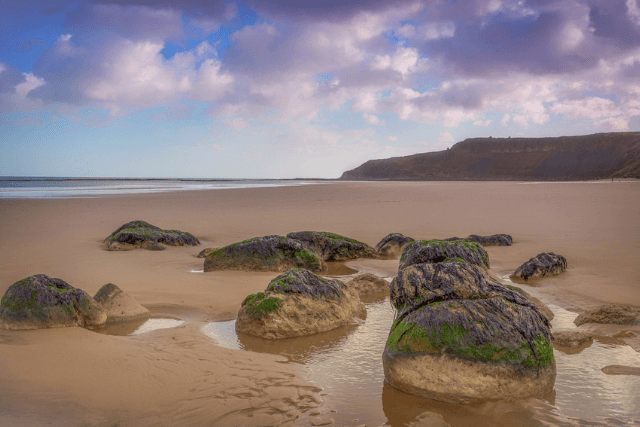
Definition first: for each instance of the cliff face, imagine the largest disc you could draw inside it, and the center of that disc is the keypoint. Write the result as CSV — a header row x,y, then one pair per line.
x,y
603,155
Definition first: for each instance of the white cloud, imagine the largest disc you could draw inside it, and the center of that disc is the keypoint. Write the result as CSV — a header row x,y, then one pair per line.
x,y
392,139
446,137
505,119
484,123
372,119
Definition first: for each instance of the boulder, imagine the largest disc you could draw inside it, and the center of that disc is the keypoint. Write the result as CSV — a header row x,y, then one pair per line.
x,y
392,244
298,303
333,247
120,306
493,240
434,251
40,301
544,309
141,234
572,338
544,264
268,253
460,336
367,283
610,313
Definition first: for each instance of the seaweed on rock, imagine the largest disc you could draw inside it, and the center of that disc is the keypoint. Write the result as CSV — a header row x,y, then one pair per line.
x,y
435,251
332,246
392,242
137,232
543,264
303,282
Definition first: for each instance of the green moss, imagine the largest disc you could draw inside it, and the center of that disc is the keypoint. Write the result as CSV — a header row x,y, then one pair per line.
x,y
307,257
257,305
58,290
544,351
455,259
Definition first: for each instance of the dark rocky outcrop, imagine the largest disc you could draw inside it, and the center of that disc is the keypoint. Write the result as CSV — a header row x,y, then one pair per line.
x,y
433,251
544,264
141,234
298,303
41,301
367,283
612,314
493,240
598,156
268,253
573,338
119,306
333,247
392,244
544,309
460,336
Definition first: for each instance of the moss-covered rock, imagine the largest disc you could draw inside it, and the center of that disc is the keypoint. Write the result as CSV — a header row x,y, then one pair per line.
x,y
298,303
333,247
268,253
544,264
461,336
141,234
493,240
40,301
120,306
392,244
435,251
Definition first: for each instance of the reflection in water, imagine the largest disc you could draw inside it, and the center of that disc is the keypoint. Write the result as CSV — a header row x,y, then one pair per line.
x,y
140,326
347,363
339,269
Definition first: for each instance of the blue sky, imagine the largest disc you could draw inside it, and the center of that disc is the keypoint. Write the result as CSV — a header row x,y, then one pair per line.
x,y
285,89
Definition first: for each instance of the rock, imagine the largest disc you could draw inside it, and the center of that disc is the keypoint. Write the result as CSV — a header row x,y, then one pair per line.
x,y
624,334
434,251
493,240
268,253
544,309
392,244
120,306
621,370
153,246
141,234
461,336
611,313
573,338
40,301
203,253
333,247
298,303
544,264
368,283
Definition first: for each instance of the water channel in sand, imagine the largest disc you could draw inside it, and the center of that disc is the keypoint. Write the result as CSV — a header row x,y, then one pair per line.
x,y
347,364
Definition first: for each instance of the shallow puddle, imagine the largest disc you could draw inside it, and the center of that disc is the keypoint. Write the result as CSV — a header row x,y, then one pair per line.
x,y
347,364
141,327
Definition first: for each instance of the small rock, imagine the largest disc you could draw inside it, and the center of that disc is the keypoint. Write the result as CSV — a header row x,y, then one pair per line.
x,y
138,234
624,334
120,306
493,240
544,264
332,246
392,244
429,419
203,253
368,283
621,370
611,313
322,422
573,338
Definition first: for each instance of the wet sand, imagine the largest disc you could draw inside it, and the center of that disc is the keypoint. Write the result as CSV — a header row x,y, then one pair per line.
x,y
178,376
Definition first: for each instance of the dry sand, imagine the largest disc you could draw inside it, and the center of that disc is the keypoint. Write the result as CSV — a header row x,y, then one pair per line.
x,y
177,376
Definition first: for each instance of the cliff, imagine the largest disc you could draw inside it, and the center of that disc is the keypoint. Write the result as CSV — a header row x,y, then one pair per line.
x,y
598,156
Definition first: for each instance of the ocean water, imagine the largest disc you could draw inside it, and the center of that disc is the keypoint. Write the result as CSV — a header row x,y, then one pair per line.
x,y
61,187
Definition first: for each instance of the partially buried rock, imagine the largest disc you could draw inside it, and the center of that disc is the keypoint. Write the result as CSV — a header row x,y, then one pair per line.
x,y
544,264
392,244
141,234
611,313
298,303
40,301
367,283
333,247
493,240
268,253
460,336
120,306
572,338
434,251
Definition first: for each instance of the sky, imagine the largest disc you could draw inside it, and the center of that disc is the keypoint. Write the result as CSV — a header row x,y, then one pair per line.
x,y
287,89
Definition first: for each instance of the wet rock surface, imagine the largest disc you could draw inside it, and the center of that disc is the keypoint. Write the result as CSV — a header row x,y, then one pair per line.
x,y
368,283
544,309
493,240
435,251
461,336
119,306
392,244
40,301
333,247
268,253
573,338
141,234
610,313
544,264
298,303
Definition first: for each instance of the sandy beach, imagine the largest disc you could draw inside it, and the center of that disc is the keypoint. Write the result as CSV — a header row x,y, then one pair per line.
x,y
179,377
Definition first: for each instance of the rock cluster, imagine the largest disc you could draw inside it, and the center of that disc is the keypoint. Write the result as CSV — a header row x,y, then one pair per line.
x,y
298,303
141,234
40,301
333,247
610,313
392,244
544,264
268,253
459,335
119,306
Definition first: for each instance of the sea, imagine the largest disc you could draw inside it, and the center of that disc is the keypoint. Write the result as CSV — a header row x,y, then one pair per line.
x,y
14,187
